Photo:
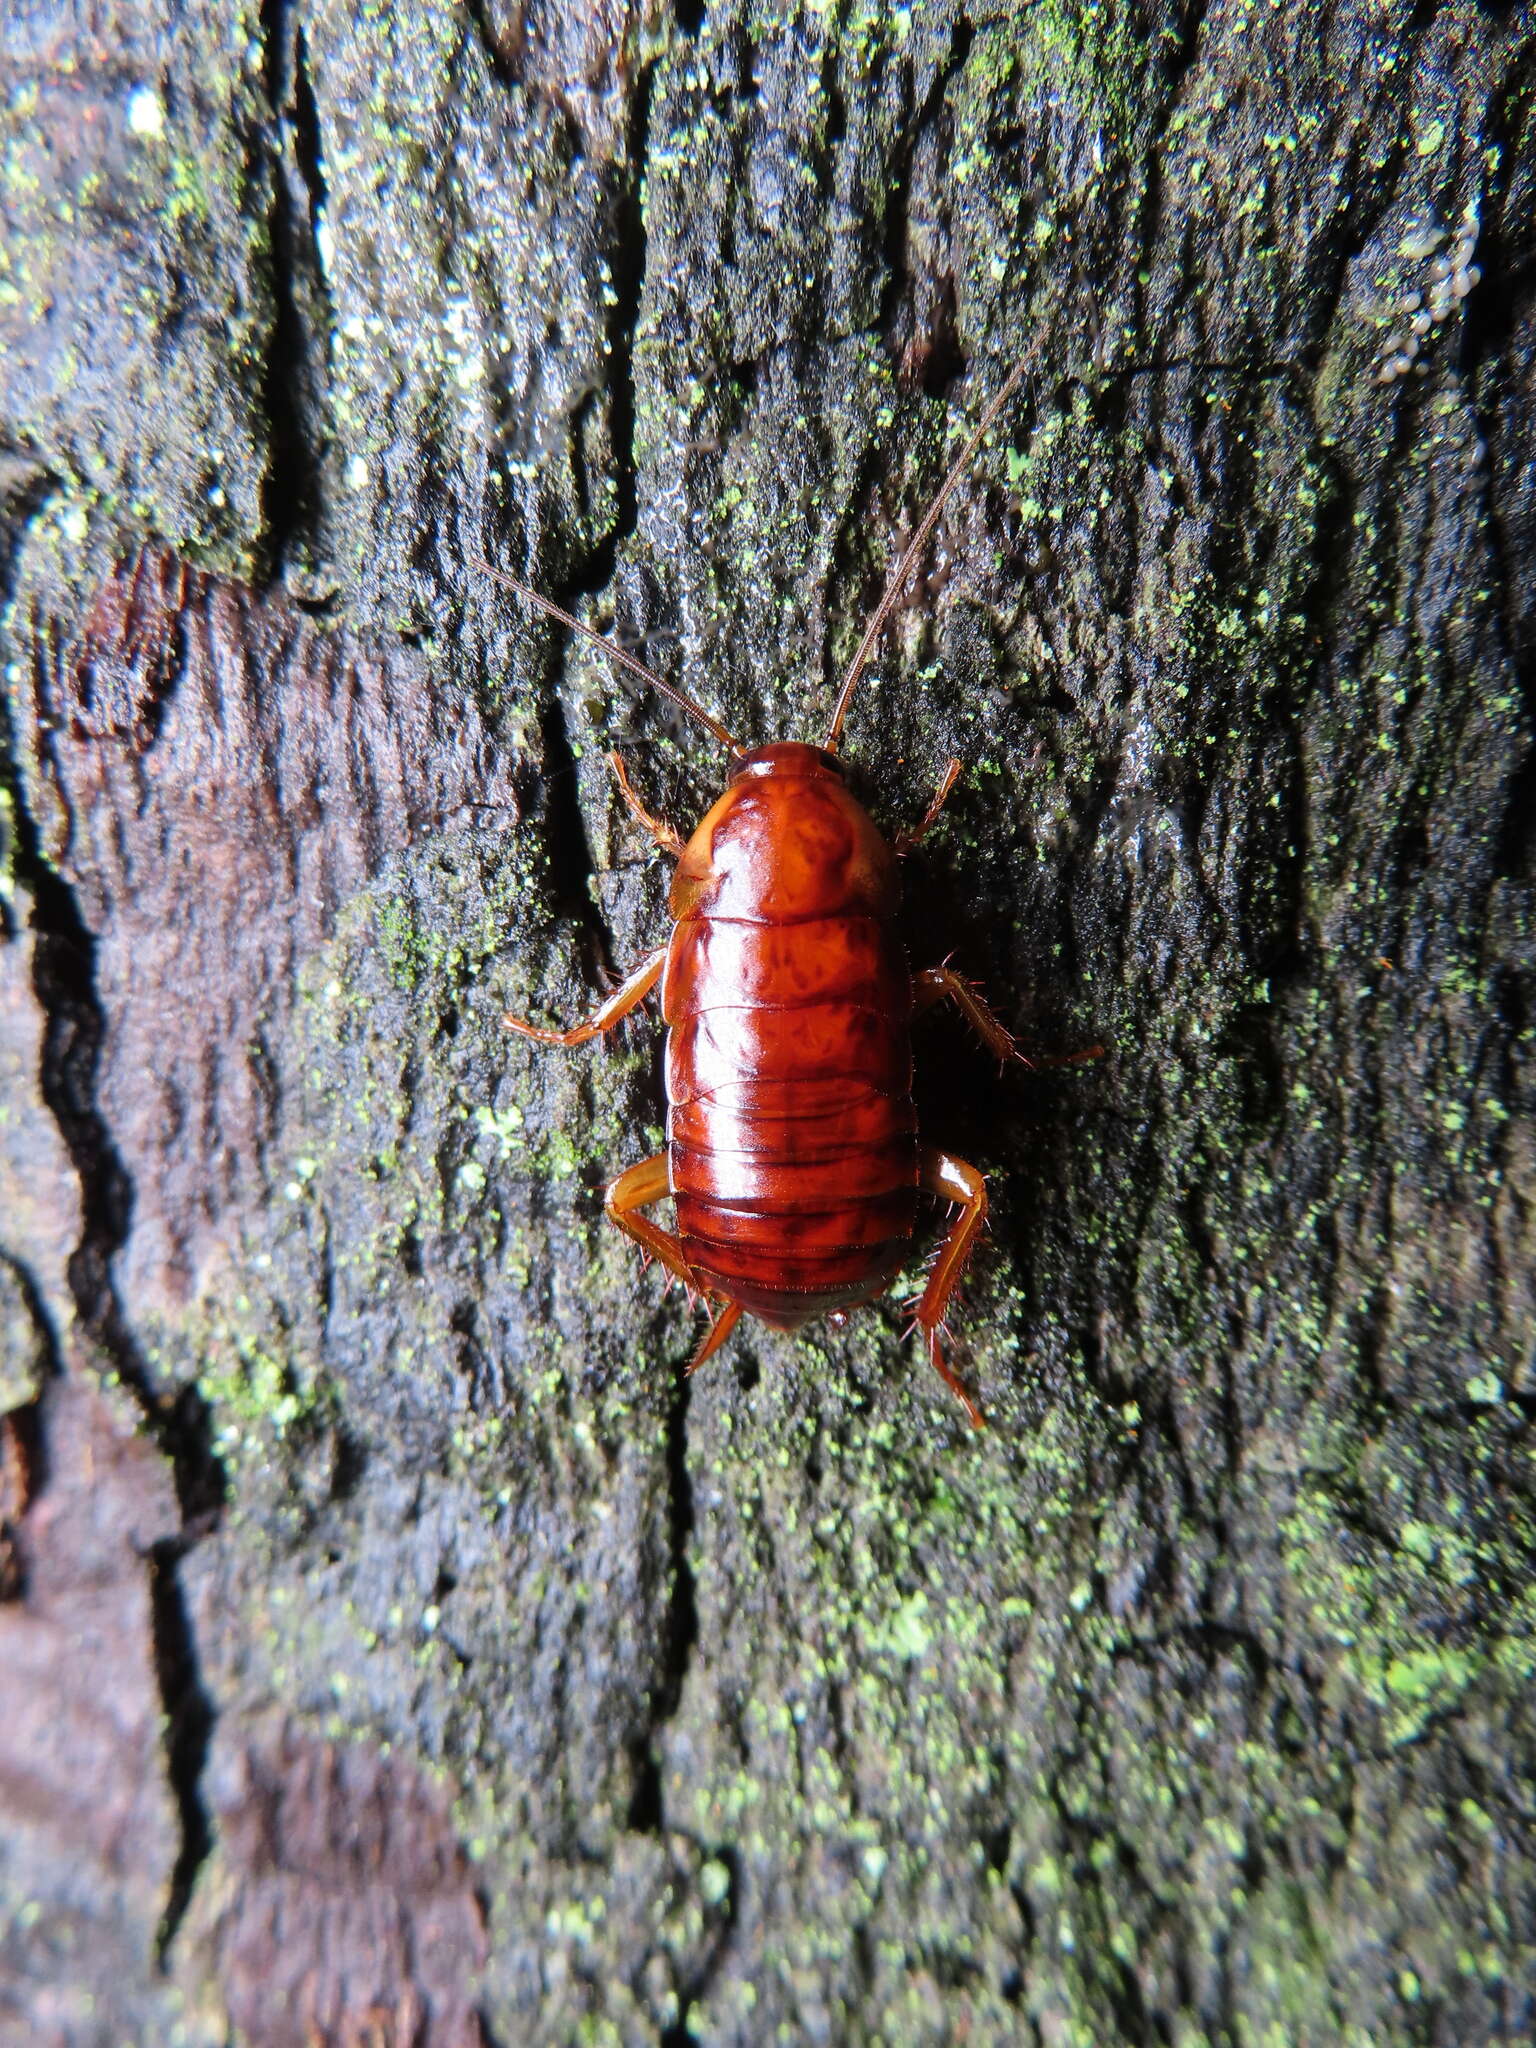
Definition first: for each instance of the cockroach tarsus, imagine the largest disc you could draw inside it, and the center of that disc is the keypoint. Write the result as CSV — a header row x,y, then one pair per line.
x,y
793,1158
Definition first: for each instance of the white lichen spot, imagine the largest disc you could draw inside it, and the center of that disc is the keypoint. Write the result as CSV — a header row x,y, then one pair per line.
x,y
146,113
1450,277
357,473
1420,241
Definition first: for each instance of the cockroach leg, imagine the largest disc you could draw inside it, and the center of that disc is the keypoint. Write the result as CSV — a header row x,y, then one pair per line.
x,y
720,1328
1064,1059
941,1366
934,983
629,995
904,842
636,1189
952,1180
659,829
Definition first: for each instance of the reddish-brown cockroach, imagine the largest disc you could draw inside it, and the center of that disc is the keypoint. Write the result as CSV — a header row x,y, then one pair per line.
x,y
793,1157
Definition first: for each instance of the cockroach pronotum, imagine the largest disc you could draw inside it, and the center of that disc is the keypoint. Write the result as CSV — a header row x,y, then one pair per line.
x,y
793,1157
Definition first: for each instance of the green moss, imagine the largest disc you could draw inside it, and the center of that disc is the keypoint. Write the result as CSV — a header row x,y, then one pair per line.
x,y
415,949
256,1394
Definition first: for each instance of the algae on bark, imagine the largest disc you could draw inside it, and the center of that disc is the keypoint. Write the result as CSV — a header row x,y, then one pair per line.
x,y
1191,1702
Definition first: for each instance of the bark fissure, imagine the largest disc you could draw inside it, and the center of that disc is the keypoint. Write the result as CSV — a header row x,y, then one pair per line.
x,y
680,1633
189,1722
938,353
295,399
177,1420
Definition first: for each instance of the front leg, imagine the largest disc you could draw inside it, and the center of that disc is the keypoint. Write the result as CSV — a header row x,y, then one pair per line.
x,y
665,835
940,1173
914,835
629,995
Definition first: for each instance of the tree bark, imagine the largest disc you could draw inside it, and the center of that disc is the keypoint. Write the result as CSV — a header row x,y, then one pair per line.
x,y
394,1647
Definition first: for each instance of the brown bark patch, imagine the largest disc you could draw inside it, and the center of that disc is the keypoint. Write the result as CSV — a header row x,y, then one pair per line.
x,y
347,1915
231,776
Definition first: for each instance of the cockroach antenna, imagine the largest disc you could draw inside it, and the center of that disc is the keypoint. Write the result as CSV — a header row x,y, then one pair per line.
x,y
614,652
914,548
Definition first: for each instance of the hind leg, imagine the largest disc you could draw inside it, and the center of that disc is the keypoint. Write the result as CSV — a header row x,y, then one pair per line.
x,y
635,1190
719,1329
940,1173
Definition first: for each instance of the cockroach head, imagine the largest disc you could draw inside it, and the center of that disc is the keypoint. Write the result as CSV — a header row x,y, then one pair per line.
x,y
788,757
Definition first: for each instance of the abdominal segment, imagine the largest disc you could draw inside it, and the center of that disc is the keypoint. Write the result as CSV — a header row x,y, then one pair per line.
x,y
792,1152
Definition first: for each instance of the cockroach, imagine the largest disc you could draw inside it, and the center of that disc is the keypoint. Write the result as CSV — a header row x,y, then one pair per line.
x,y
793,1157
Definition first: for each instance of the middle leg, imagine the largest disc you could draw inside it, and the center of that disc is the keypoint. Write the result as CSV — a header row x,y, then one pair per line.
x,y
935,983
665,835
629,995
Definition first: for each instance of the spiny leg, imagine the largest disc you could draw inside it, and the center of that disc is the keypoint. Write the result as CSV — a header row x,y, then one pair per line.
x,y
663,834
941,1173
905,841
719,1329
636,1189
934,983
629,995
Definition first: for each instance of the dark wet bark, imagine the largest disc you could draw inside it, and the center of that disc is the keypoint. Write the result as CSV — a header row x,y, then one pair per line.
x,y
366,1568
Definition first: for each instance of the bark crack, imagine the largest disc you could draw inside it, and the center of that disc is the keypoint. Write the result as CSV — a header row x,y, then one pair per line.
x,y
647,1814
1179,65
938,354
189,1718
570,850
295,398
176,1420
